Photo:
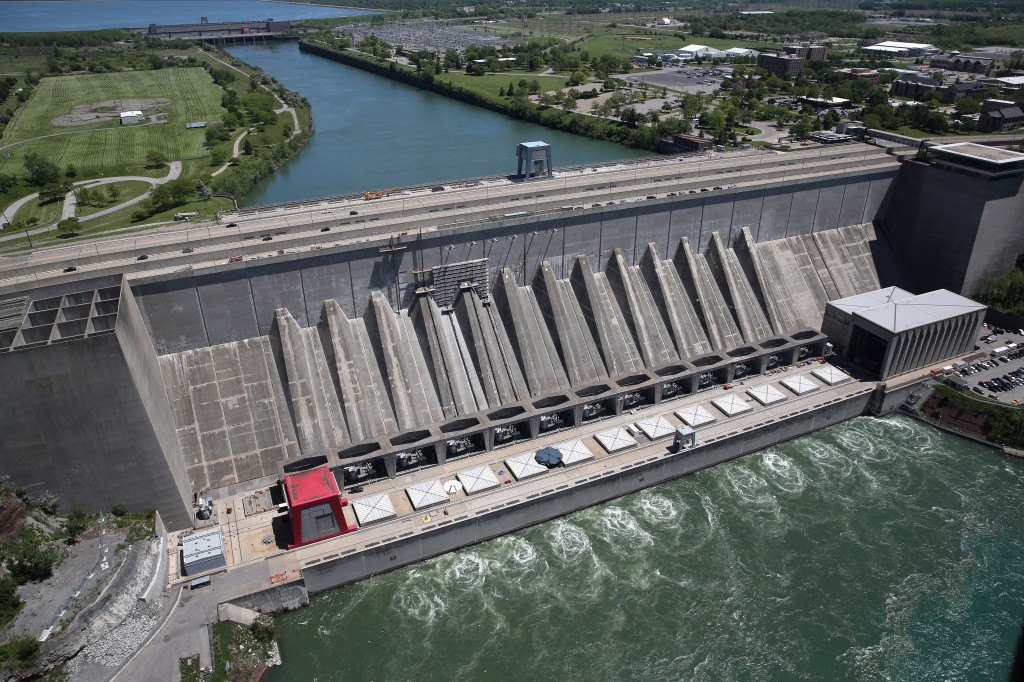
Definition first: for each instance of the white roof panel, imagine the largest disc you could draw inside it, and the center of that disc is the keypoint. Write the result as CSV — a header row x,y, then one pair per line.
x,y
655,427
478,478
524,465
615,439
731,404
574,451
830,375
800,384
766,394
695,415
201,546
426,493
373,508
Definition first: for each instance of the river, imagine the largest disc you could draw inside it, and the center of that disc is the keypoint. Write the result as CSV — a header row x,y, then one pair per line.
x,y
87,15
876,549
374,133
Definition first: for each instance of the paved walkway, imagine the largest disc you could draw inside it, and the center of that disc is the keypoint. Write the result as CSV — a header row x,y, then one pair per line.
x,y
71,202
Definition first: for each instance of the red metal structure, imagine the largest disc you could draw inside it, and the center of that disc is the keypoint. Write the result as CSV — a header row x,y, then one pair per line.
x,y
315,506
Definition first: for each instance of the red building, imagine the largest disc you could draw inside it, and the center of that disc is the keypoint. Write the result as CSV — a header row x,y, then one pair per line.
x,y
315,506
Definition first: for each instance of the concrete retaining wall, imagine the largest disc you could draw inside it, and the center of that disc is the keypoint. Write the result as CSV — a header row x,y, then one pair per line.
x,y
237,301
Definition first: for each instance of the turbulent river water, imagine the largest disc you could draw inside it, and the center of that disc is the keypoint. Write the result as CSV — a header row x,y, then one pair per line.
x,y
877,549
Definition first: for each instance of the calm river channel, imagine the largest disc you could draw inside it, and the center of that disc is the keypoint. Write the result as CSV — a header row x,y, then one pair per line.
x,y
374,133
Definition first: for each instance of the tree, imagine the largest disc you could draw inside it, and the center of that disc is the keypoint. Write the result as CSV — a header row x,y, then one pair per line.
x,y
77,520
263,628
54,191
119,509
113,192
155,157
801,129
10,602
27,558
69,226
7,181
967,105
40,171
247,148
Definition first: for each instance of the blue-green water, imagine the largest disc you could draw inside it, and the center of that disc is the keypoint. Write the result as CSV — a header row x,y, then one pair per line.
x,y
87,15
374,133
877,549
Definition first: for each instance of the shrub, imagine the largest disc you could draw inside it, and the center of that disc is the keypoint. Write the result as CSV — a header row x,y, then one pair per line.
x,y
264,629
119,509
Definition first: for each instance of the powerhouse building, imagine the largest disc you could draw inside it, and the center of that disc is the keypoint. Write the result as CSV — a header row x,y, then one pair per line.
x,y
891,331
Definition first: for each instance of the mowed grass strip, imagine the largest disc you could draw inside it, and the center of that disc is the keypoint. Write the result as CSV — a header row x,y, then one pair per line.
x,y
108,148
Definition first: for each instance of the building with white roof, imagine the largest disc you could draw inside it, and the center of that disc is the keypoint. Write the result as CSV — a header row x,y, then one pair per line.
x,y
903,49
891,331
130,117
703,51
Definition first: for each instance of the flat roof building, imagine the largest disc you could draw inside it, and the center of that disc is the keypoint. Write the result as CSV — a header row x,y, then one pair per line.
x,y
891,331
202,552
787,66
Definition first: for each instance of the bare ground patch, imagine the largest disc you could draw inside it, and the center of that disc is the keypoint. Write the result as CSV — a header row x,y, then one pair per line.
x,y
106,110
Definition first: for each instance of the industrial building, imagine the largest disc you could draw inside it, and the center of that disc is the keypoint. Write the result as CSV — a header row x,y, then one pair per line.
x,y
891,331
416,343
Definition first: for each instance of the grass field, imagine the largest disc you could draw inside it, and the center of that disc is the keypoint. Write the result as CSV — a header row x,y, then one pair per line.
x,y
128,189
491,84
108,148
44,212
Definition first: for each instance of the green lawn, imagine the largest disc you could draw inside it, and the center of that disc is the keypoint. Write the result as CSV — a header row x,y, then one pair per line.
x,y
121,221
44,213
128,189
491,84
107,148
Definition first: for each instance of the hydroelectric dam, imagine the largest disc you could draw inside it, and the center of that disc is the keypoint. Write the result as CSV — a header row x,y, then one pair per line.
x,y
401,336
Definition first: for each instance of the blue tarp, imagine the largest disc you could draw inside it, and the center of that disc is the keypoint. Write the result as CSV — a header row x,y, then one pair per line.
x,y
549,457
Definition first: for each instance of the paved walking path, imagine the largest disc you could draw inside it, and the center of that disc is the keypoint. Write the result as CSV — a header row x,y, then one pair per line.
x,y
70,202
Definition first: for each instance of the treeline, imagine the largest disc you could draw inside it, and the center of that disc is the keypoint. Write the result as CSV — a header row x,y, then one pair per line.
x,y
641,136
1005,293
66,38
251,168
789,22
1003,425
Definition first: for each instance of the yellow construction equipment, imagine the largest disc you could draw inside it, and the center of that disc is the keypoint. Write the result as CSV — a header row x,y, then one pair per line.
x,y
377,195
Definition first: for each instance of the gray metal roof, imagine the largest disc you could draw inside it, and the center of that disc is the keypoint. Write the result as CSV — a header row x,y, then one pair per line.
x,y
916,311
202,546
870,299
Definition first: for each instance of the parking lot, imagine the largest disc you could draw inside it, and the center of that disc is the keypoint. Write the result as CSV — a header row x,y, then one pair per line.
x,y
999,374
685,78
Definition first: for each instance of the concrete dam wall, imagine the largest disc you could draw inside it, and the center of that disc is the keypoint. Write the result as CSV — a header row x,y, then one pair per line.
x,y
231,302
314,390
